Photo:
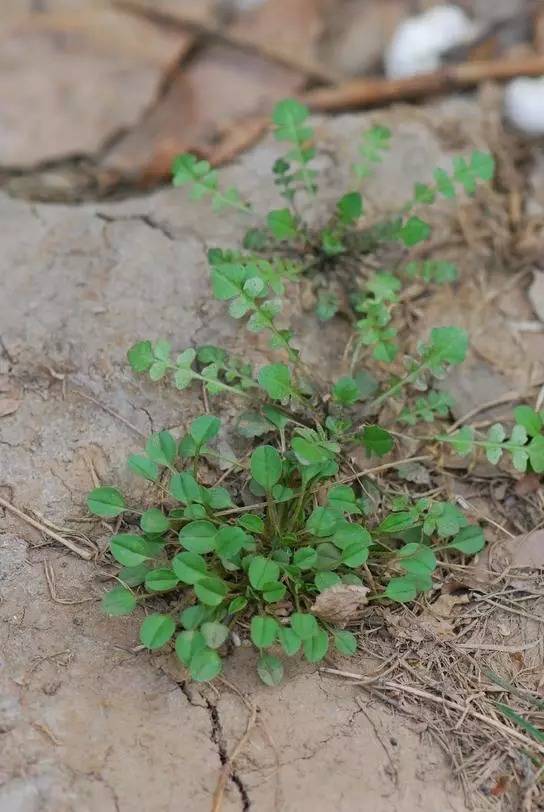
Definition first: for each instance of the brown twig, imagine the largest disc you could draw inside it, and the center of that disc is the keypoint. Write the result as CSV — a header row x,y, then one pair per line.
x,y
368,92
51,533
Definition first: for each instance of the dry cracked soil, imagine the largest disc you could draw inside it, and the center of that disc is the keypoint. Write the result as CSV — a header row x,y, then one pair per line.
x,y
86,722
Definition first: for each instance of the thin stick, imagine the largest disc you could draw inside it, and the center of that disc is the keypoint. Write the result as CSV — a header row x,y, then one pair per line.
x,y
51,533
367,92
438,700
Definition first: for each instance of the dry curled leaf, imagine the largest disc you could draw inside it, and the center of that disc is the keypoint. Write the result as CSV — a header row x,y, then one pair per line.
x,y
340,604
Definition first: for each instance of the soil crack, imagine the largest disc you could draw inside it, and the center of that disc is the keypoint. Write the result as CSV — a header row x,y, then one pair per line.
x,y
141,218
218,738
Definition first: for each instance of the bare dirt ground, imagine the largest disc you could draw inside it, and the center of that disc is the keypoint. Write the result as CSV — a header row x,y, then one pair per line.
x,y
86,722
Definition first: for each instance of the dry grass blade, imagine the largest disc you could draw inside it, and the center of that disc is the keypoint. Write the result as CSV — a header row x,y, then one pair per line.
x,y
45,530
505,730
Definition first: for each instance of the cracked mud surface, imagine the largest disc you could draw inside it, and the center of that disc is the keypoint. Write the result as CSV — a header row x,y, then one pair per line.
x,y
86,723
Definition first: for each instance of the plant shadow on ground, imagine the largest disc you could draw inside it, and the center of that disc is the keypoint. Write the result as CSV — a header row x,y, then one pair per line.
x,y
296,540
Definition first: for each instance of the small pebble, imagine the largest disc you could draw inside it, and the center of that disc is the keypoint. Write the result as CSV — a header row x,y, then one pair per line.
x,y
524,104
419,42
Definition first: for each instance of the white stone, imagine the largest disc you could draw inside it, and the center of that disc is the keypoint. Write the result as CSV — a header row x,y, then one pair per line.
x,y
524,104
419,42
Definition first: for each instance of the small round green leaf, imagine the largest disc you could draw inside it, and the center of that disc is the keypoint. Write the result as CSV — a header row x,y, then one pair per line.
x,y
154,521
252,523
130,550
186,489
140,356
214,634
189,567
346,533
204,428
161,580
161,448
322,522
401,590
289,641
304,625
266,466
118,601
324,580
345,642
198,537
156,630
142,466
328,556
273,591
270,669
230,541
106,502
470,540
134,576
355,554
189,643
262,570
275,379
237,605
193,616
316,647
263,631
205,665
211,591
305,558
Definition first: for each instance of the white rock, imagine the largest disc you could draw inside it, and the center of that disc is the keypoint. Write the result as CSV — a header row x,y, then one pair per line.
x,y
524,104
419,42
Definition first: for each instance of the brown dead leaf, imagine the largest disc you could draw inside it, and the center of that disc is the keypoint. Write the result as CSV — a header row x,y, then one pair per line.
x,y
294,27
340,604
8,406
436,620
525,551
216,106
78,78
